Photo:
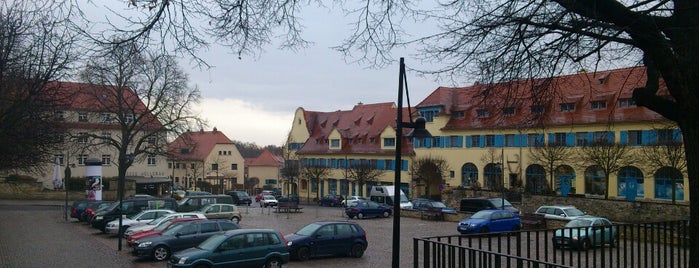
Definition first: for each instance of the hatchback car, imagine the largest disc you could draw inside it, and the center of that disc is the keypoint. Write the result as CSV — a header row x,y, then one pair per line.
x,y
236,248
221,211
565,213
367,208
268,201
486,221
351,200
585,232
331,200
327,238
426,204
182,236
142,218
162,227
152,224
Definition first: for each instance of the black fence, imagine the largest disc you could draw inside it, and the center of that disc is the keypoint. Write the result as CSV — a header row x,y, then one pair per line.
x,y
660,244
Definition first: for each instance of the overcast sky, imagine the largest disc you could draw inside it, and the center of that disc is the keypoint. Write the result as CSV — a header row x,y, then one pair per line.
x,y
254,99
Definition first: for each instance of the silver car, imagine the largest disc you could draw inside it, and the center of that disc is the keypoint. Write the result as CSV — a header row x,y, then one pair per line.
x,y
560,212
152,224
139,219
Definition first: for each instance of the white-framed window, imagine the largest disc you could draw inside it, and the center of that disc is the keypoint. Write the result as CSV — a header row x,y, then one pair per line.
x,y
105,118
59,116
234,166
128,119
151,160
627,103
82,117
508,111
335,143
389,142
568,107
482,113
537,109
81,159
598,105
106,134
82,137
106,159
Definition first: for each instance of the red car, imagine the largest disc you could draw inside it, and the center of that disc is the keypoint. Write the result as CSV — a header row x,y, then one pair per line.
x,y
158,229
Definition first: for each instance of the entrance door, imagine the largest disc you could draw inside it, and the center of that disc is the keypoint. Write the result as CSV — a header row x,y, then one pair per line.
x,y
565,184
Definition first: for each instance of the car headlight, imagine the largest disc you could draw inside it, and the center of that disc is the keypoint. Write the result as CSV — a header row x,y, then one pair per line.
x,y
144,244
99,218
288,244
183,260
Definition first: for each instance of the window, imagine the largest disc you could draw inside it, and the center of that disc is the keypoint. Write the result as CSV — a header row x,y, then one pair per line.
x,y
389,142
559,139
508,111
106,159
581,139
510,140
601,136
82,137
81,159
59,159
106,134
489,140
128,119
152,140
455,141
534,140
482,113
475,141
598,105
429,115
59,116
151,160
635,137
105,118
82,117
666,136
537,109
214,166
335,143
568,107
459,114
234,166
627,103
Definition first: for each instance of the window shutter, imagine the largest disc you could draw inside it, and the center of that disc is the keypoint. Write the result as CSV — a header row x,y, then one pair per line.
x,y
624,137
570,139
468,141
499,140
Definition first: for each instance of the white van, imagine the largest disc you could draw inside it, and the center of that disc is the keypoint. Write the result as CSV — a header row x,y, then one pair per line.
x,y
384,195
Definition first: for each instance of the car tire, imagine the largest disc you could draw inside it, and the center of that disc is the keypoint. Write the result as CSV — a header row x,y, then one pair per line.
x,y
273,263
360,215
161,253
386,214
235,220
304,253
357,250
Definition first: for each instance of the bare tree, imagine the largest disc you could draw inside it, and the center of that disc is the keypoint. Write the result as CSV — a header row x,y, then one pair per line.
x,y
35,48
610,157
429,169
363,171
665,153
292,168
550,156
314,172
145,96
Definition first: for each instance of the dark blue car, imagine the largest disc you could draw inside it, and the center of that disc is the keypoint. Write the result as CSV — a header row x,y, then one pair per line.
x,y
486,221
366,209
426,204
327,238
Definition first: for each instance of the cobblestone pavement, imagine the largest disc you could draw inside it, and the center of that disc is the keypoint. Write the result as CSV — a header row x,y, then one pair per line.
x,y
34,234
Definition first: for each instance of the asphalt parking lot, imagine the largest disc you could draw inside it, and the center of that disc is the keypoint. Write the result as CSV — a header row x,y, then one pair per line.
x,y
34,234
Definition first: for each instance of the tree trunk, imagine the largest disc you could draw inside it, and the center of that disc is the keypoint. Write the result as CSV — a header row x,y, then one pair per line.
x,y
690,133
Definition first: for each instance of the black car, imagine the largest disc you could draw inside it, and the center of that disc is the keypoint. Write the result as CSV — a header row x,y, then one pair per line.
x,y
327,238
331,200
240,197
182,236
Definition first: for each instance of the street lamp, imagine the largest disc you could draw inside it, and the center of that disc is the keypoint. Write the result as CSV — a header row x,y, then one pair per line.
x,y
419,131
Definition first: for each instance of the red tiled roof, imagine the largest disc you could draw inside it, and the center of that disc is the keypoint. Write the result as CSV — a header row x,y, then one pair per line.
x,y
266,158
198,143
581,89
364,121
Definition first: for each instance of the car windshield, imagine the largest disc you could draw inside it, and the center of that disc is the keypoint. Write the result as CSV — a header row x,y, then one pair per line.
x,y
579,223
159,220
438,204
573,212
499,201
163,226
136,216
212,242
481,215
308,229
205,208
404,199
268,197
174,229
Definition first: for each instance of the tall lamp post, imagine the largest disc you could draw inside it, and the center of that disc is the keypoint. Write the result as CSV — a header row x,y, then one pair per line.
x,y
419,131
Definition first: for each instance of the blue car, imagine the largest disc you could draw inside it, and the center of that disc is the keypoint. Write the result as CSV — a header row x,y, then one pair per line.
x,y
486,221
366,209
426,204
327,238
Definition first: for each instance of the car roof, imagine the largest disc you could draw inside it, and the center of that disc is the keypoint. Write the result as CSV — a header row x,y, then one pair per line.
x,y
557,206
243,231
185,219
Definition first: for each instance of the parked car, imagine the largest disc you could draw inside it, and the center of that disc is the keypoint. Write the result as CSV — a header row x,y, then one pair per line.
x,y
475,204
77,208
179,194
196,193
559,212
331,200
488,220
327,238
289,198
221,211
152,224
130,207
268,201
92,209
351,200
240,197
236,248
160,228
182,236
192,203
426,204
140,196
585,232
139,219
367,208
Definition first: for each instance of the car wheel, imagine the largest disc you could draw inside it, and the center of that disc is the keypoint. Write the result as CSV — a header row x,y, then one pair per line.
x,y
386,214
357,251
584,244
360,215
235,220
613,243
303,253
161,253
485,230
273,263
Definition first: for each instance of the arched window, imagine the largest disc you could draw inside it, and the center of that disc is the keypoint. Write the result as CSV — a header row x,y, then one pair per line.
x,y
594,181
564,172
625,177
469,174
665,179
493,175
535,179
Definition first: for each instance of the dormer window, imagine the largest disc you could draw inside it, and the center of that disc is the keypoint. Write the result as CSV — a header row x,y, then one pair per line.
x,y
537,109
568,107
508,111
598,105
627,103
389,142
482,113
459,114
335,143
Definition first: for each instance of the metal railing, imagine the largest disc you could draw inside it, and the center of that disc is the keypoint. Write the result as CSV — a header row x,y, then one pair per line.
x,y
659,244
